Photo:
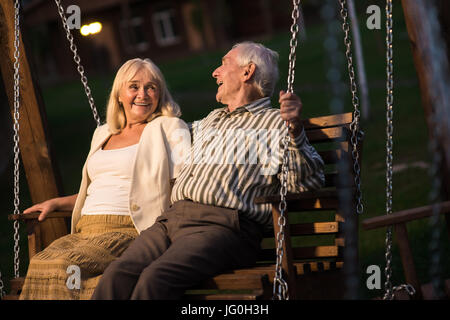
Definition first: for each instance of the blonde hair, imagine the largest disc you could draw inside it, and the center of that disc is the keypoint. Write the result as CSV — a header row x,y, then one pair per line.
x,y
115,114
266,63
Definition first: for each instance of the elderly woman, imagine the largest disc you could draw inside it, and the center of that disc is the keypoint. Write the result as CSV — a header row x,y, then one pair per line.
x,y
125,185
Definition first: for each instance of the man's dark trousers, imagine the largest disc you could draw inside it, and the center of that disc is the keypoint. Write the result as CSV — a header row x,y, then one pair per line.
x,y
188,243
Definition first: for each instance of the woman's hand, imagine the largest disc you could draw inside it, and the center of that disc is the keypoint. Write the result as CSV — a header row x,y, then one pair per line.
x,y
44,208
61,203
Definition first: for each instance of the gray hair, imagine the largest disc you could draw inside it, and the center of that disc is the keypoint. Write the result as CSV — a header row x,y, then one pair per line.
x,y
265,61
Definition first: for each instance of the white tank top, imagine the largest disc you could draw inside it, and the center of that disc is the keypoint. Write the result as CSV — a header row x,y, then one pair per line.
x,y
110,174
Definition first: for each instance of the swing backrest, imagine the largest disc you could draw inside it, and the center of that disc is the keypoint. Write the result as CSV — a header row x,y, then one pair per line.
x,y
315,236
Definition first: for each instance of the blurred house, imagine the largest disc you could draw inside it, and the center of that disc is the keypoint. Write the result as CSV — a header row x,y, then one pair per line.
x,y
144,28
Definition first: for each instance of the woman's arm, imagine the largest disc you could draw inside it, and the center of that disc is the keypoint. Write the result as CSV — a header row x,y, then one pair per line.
x,y
61,203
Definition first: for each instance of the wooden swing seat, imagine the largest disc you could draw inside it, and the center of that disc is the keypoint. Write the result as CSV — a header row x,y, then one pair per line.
x,y
314,271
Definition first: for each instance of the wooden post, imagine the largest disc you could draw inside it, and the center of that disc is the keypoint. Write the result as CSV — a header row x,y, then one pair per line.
x,y
34,144
407,259
415,19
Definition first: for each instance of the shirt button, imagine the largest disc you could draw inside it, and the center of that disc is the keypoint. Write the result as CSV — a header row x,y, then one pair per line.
x,y
135,207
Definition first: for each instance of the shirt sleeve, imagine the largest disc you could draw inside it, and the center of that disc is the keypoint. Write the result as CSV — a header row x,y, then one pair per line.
x,y
179,139
305,166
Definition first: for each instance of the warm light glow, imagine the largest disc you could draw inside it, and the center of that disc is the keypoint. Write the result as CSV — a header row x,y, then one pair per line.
x,y
93,28
85,30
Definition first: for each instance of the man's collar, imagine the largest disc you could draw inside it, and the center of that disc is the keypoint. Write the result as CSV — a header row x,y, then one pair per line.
x,y
253,107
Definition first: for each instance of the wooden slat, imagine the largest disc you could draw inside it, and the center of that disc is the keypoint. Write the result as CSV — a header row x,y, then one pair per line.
x,y
328,134
266,255
332,156
307,195
328,121
314,228
232,281
403,216
300,253
332,180
300,267
35,215
313,204
34,237
16,285
315,252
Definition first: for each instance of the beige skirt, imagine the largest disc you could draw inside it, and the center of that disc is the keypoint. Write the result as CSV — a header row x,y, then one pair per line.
x,y
71,266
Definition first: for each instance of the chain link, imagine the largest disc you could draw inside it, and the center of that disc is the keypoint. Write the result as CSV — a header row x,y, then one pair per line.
x,y
389,294
293,45
2,286
77,60
409,289
357,134
280,286
16,135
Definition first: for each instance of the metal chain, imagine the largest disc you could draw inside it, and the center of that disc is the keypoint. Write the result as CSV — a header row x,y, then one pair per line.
x,y
16,136
357,134
435,167
409,289
293,45
280,286
2,286
389,294
77,60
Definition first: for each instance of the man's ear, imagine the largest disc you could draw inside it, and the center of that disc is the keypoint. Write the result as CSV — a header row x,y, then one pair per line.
x,y
249,70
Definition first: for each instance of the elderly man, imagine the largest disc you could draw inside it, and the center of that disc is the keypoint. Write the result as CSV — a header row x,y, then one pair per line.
x,y
214,224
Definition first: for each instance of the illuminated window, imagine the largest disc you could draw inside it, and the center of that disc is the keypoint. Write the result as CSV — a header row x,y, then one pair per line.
x,y
164,27
133,34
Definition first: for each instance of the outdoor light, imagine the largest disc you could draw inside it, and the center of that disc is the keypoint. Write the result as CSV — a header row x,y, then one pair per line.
x,y
85,30
93,28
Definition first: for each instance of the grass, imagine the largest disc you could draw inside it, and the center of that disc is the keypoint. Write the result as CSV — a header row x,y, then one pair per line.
x,y
190,81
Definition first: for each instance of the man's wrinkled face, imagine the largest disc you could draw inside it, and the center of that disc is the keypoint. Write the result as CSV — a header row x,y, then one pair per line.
x,y
228,78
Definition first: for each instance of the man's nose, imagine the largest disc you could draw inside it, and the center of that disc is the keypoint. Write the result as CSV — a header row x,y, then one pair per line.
x,y
215,73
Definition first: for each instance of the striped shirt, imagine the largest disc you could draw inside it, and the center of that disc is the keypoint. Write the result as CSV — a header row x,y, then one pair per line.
x,y
237,156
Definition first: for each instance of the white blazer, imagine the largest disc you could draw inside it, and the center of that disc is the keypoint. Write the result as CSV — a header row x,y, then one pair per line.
x,y
159,158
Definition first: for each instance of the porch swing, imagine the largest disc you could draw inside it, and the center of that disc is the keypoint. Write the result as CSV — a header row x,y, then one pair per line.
x,y
287,271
